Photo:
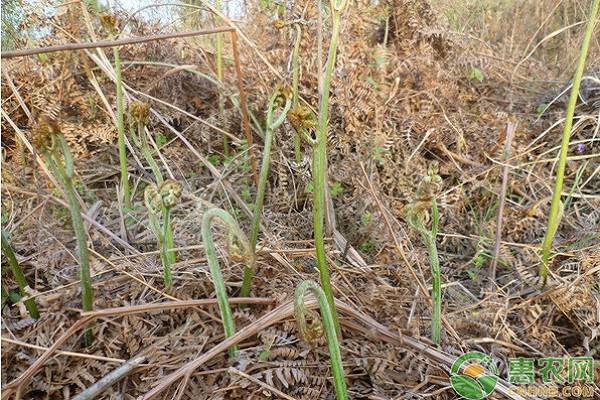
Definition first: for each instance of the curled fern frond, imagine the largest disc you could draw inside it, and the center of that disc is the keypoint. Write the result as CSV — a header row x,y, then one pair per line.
x,y
330,331
416,216
281,98
243,249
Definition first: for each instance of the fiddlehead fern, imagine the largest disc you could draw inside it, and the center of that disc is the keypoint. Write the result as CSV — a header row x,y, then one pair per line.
x,y
159,201
330,331
50,141
416,214
279,99
239,249
110,23
320,158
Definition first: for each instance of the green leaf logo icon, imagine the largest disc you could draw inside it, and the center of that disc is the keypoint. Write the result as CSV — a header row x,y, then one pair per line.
x,y
474,375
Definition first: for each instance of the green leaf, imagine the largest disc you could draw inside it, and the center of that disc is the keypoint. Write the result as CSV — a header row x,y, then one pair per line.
x,y
476,75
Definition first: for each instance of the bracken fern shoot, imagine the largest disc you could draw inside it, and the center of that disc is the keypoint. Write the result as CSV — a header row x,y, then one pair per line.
x,y
320,158
50,141
416,218
110,24
330,331
555,208
279,99
19,276
139,113
239,250
159,201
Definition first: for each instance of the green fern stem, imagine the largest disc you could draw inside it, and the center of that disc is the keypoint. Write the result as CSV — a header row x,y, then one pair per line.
x,y
330,331
295,86
320,162
65,175
19,276
121,133
429,240
235,233
262,183
553,218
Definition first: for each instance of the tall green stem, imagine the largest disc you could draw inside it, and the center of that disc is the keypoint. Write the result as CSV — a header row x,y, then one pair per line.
x,y
65,175
19,276
553,218
295,87
320,160
121,133
235,234
331,333
262,182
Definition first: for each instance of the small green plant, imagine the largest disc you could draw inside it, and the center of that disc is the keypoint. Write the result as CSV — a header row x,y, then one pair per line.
x,y
367,246
239,250
365,218
557,206
307,331
52,144
159,201
476,75
336,188
19,276
416,215
109,22
279,99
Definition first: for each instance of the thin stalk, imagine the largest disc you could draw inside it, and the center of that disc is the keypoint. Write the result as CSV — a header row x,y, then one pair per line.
x,y
168,255
553,218
19,276
434,262
320,161
219,68
65,175
235,234
331,333
262,183
121,133
295,84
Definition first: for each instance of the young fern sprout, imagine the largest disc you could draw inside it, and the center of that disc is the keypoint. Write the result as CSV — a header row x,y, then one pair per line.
x,y
19,276
109,22
320,158
556,206
139,113
416,219
239,250
279,99
159,201
306,331
50,141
